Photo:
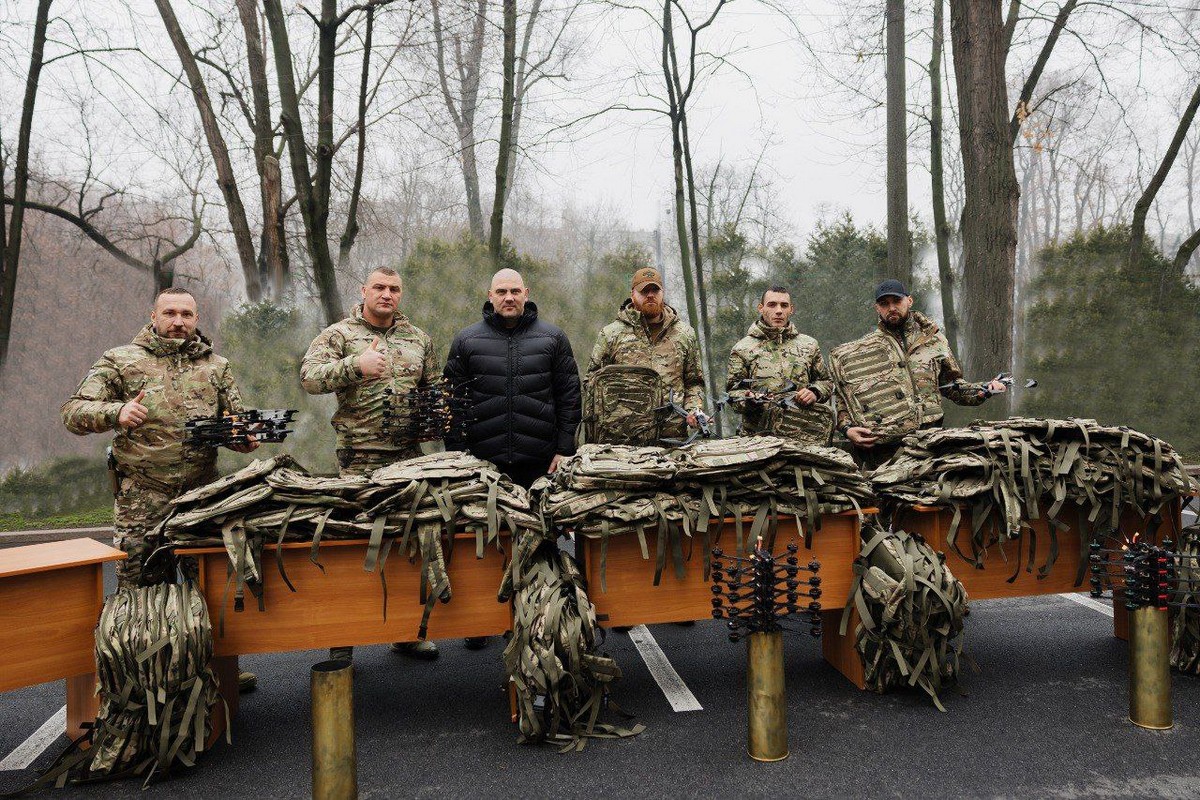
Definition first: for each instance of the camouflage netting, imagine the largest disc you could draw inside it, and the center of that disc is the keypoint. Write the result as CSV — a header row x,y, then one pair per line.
x,y
1185,644
605,490
153,645
419,503
552,656
910,608
1005,472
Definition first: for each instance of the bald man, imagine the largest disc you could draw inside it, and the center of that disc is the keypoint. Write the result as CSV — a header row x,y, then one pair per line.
x,y
519,374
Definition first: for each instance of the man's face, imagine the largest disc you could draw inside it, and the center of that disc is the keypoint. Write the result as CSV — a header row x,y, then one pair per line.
x,y
893,310
174,316
648,300
776,308
508,295
381,294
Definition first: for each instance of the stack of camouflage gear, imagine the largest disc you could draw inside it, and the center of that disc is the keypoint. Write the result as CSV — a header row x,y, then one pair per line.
x,y
552,656
605,490
910,608
419,502
1185,644
153,645
1006,471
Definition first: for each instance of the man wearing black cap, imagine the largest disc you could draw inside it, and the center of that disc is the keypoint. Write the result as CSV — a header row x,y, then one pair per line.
x,y
891,381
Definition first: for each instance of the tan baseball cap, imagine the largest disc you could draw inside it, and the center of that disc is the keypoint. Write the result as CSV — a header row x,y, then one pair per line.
x,y
645,276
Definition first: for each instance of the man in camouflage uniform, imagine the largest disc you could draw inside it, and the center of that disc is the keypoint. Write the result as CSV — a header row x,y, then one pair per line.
x,y
891,381
145,391
774,355
370,359
649,333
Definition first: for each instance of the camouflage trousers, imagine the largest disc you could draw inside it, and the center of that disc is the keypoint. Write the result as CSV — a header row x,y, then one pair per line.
x,y
364,462
137,511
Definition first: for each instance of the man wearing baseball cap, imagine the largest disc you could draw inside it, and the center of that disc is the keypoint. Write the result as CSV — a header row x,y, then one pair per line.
x,y
650,335
891,381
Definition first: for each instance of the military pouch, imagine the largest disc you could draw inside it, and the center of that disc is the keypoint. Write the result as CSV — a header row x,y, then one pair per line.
x,y
114,475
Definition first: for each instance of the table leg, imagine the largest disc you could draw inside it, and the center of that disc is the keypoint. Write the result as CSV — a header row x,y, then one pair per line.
x,y
839,650
82,703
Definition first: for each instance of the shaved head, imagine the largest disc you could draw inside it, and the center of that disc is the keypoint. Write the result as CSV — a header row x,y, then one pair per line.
x,y
508,295
508,276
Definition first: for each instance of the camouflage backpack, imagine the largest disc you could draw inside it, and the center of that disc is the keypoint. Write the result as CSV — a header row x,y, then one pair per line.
x,y
620,405
910,609
805,424
153,645
561,681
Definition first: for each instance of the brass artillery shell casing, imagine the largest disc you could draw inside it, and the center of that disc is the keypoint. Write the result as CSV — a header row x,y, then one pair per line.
x,y
767,698
334,761
1150,669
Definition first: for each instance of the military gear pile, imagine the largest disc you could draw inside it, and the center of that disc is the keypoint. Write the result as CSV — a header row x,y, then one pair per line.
x,y
153,645
417,504
605,490
1006,471
910,608
561,680
1185,643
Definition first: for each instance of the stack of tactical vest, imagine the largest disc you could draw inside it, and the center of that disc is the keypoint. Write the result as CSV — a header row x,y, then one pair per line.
x,y
674,494
414,503
1010,472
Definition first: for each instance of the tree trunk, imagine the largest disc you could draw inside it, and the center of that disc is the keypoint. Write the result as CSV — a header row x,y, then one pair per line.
x,y
315,218
496,239
941,227
1137,232
350,233
519,88
1186,250
899,260
1022,108
10,247
989,227
220,152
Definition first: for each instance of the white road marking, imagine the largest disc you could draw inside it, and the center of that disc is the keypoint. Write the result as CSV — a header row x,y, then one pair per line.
x,y
678,694
1096,605
32,747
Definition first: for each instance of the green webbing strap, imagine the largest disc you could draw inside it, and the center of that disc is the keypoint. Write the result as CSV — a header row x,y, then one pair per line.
x,y
372,559
660,550
760,522
287,518
641,535
383,557
493,515
316,542
738,512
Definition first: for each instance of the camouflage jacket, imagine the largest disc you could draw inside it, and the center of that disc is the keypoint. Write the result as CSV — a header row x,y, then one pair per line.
x,y
331,365
769,358
890,382
674,353
183,379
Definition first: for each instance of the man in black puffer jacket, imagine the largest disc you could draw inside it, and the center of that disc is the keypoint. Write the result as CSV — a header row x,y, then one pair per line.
x,y
519,375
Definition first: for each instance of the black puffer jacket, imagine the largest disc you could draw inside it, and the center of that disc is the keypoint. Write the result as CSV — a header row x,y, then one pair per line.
x,y
524,389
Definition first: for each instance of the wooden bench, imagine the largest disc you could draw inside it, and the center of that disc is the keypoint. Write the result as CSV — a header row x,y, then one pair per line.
x,y
50,600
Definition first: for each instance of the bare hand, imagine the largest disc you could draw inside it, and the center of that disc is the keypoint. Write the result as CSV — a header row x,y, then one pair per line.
x,y
133,413
863,437
372,363
996,387
806,397
554,462
248,446
692,421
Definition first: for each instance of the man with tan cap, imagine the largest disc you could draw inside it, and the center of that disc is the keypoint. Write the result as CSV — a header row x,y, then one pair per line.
x,y
644,358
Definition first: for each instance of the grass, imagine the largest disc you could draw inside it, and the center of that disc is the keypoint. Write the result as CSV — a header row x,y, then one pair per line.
x,y
93,518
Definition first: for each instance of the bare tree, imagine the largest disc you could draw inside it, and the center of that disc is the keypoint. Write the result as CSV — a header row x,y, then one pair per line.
x,y
10,239
941,226
496,239
899,263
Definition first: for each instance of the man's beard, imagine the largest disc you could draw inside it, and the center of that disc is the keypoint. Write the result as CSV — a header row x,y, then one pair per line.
x,y
899,323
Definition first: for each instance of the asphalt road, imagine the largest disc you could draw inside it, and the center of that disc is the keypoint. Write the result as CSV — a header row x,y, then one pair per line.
x,y
1045,717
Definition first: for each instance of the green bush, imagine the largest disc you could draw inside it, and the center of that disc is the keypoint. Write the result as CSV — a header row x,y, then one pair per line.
x,y
60,486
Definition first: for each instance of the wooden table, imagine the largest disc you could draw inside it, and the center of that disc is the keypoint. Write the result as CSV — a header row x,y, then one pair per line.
x,y
50,600
344,604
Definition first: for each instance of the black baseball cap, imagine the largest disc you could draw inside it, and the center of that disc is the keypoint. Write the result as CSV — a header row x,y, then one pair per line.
x,y
890,287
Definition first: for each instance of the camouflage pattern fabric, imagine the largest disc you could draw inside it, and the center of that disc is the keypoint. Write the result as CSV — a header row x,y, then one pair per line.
x,y
1003,473
414,506
331,366
673,352
910,608
182,380
1185,639
770,359
139,510
619,406
157,691
552,652
889,382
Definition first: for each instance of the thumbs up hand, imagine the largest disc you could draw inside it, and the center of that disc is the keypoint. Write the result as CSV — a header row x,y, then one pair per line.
x,y
373,363
133,413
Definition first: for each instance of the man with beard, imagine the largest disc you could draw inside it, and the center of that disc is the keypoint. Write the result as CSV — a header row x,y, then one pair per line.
x,y
889,381
658,356
369,360
771,357
145,391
